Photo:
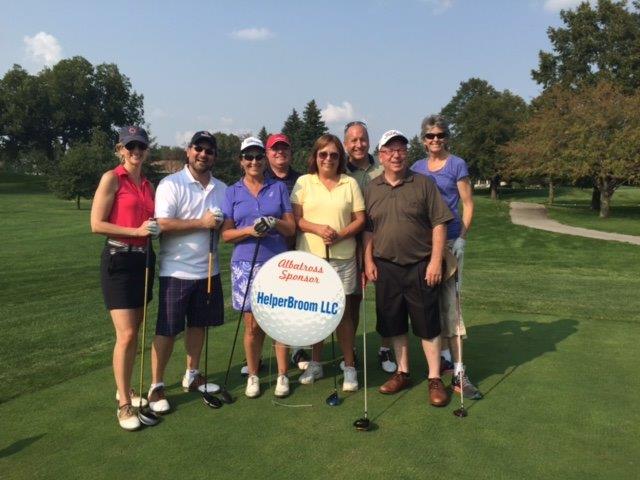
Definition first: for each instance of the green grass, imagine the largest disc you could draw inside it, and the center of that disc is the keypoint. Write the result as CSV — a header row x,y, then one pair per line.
x,y
572,207
552,322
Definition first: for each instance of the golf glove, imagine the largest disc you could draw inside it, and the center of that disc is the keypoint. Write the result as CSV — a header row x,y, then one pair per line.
x,y
458,247
153,228
217,213
260,225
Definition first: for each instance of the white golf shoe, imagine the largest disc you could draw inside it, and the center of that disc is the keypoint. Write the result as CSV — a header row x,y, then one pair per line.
x,y
311,374
158,403
350,382
253,386
135,399
127,418
282,387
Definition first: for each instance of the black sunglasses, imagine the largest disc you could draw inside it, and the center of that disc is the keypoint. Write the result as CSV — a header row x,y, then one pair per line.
x,y
249,157
331,155
208,151
131,146
431,136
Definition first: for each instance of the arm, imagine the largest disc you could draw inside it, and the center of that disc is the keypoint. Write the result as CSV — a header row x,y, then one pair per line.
x,y
101,208
355,227
369,265
466,198
327,233
206,222
433,275
231,234
286,225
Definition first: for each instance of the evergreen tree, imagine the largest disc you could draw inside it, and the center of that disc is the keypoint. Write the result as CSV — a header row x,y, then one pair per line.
x,y
292,128
313,125
263,135
416,150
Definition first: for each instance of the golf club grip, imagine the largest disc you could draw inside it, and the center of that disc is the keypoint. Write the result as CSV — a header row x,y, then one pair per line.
x,y
210,265
326,253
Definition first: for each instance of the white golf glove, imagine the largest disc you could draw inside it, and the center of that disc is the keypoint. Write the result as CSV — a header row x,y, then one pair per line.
x,y
153,228
458,247
217,213
271,221
260,225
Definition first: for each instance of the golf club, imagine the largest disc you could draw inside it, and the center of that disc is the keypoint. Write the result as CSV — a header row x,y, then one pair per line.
x,y
363,424
145,415
208,399
224,393
332,400
460,412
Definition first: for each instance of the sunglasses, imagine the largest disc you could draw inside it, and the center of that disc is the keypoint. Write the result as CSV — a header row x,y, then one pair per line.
x,y
208,151
353,124
131,146
331,155
249,157
431,136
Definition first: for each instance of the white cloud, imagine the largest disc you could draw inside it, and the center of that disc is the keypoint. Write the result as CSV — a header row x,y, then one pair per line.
x,y
226,121
253,34
336,113
158,113
43,48
183,138
557,5
439,6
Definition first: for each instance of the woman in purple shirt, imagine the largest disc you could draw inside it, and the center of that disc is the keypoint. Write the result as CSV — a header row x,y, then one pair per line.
x,y
247,201
451,175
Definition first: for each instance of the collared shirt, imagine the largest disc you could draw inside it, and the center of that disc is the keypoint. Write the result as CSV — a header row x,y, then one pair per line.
x,y
401,217
447,178
327,207
243,208
185,254
132,205
289,179
364,175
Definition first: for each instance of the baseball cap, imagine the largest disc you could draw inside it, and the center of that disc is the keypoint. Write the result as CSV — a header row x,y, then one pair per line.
x,y
203,135
132,133
390,135
277,138
251,142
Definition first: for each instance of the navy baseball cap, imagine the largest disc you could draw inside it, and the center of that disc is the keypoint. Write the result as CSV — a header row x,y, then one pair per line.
x,y
203,135
132,133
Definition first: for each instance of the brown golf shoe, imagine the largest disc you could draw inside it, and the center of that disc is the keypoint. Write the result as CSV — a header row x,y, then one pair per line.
x,y
438,396
397,382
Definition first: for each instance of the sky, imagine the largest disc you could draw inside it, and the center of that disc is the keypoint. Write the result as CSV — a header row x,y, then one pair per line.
x,y
238,65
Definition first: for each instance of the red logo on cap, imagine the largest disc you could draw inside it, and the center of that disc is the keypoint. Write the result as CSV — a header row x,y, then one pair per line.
x,y
132,130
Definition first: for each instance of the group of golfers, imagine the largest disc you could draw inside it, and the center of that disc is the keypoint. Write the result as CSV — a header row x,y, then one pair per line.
x,y
382,222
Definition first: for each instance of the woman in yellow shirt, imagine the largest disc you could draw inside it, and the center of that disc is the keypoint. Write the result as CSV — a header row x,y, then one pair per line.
x,y
329,210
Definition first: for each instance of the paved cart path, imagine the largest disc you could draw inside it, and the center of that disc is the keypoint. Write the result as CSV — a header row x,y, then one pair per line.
x,y
534,215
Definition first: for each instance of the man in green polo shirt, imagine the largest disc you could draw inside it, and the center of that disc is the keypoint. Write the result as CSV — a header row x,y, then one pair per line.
x,y
404,246
363,168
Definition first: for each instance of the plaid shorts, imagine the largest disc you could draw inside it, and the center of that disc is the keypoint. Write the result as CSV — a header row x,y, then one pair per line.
x,y
185,302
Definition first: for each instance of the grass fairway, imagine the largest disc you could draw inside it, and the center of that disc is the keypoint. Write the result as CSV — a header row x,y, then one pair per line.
x,y
553,323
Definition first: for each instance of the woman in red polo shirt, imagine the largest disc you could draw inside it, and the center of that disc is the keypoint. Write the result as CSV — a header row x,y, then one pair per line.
x,y
122,210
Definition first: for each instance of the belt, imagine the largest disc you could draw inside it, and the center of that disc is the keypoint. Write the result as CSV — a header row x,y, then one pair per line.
x,y
116,246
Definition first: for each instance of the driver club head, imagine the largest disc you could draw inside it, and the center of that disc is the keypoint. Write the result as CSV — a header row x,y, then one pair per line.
x,y
460,412
362,424
211,401
333,400
226,396
147,417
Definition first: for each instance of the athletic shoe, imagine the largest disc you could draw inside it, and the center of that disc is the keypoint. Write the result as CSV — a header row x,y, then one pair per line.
x,y
282,387
446,367
300,359
350,382
397,382
158,403
311,374
355,360
253,386
438,396
244,371
135,399
469,389
387,360
127,417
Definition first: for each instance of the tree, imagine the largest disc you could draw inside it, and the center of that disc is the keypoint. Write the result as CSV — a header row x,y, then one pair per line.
x,y
263,135
292,128
416,150
227,165
600,42
313,125
482,121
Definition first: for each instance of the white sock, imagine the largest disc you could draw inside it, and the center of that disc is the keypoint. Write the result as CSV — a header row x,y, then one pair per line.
x,y
383,349
191,374
446,354
457,368
153,386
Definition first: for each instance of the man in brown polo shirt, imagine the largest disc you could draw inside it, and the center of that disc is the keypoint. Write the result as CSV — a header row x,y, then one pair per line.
x,y
404,247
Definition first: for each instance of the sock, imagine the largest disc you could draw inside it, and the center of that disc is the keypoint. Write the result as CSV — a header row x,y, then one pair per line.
x,y
191,374
153,386
382,349
446,354
457,368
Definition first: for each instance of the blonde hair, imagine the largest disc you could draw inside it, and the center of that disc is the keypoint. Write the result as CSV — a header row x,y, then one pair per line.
x,y
119,146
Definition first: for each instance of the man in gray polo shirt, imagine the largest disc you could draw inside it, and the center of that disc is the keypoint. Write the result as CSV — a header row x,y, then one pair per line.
x,y
404,247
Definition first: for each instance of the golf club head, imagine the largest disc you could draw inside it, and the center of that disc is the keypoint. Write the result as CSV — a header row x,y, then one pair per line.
x,y
147,417
460,412
211,401
226,396
333,400
362,424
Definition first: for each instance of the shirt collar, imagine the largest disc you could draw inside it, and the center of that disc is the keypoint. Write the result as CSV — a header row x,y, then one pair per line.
x,y
190,178
408,177
343,178
352,168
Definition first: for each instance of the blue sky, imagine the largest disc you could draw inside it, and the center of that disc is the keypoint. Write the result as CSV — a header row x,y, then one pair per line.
x,y
235,66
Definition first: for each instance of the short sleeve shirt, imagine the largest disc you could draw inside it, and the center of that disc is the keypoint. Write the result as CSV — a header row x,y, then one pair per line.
x,y
289,179
185,255
364,175
401,217
447,178
327,207
243,208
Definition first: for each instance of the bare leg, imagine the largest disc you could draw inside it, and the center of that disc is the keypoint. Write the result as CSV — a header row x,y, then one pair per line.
x,y
401,349
316,351
253,339
346,333
432,353
282,357
193,342
160,353
126,323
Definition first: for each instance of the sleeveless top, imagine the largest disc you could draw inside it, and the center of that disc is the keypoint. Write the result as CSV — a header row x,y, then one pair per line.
x,y
132,205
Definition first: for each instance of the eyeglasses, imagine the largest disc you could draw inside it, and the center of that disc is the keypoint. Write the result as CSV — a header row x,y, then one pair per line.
x,y
249,157
208,151
331,155
353,124
391,151
131,146
431,136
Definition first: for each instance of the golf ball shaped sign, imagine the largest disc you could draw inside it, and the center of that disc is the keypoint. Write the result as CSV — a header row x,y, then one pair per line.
x,y
297,298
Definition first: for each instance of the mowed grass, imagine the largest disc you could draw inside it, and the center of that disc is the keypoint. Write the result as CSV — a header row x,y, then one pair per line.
x,y
552,323
572,206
